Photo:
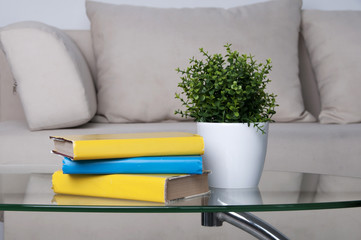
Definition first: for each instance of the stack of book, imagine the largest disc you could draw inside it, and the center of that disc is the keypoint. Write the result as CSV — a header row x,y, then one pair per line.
x,y
157,167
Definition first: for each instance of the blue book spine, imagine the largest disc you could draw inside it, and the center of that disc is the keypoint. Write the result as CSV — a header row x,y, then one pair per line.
x,y
143,165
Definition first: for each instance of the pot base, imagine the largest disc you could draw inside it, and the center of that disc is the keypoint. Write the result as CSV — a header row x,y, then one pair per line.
x,y
234,153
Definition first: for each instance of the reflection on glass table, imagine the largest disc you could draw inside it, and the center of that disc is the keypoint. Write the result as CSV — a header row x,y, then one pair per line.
x,y
277,191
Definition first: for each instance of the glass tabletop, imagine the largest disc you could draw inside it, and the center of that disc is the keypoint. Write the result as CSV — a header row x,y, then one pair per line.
x,y
277,191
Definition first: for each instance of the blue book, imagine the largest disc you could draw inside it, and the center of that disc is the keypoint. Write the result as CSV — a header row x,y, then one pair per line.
x,y
144,165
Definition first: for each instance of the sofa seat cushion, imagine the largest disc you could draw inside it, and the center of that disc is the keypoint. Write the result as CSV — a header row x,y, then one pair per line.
x,y
308,147
24,150
315,148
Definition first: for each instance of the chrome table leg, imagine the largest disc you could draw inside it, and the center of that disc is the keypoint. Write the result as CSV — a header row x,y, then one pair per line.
x,y
1,224
245,221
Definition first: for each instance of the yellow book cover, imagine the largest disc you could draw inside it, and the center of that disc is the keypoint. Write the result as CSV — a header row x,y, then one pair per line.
x,y
143,187
126,145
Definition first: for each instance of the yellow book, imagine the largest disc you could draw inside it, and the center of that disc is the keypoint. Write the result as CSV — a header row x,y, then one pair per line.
x,y
126,145
142,187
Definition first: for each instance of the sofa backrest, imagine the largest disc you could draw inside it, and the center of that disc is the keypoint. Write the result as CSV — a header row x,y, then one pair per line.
x,y
11,109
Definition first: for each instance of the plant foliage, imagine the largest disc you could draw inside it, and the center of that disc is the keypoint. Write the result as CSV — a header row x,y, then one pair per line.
x,y
230,89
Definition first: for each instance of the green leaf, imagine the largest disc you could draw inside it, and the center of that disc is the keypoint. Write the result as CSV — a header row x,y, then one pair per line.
x,y
229,87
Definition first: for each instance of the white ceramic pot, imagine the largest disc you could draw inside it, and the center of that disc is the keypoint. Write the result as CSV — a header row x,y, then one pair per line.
x,y
234,153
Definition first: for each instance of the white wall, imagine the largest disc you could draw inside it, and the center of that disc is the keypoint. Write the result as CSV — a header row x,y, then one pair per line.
x,y
70,14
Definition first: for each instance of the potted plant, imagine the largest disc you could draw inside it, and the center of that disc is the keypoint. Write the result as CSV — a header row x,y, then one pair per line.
x,y
227,97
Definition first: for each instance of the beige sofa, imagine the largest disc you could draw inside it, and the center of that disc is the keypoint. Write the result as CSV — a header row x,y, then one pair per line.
x,y
298,145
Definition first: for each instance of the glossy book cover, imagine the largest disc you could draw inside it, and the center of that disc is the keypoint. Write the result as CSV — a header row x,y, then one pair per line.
x,y
142,187
126,145
164,164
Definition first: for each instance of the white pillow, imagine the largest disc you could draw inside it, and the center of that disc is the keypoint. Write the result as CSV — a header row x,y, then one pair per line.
x,y
53,79
137,50
333,40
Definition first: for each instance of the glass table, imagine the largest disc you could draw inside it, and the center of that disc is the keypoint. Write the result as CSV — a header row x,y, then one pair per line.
x,y
277,191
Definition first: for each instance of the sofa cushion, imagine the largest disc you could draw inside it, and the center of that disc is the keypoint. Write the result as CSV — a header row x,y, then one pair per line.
x,y
137,50
54,81
296,147
24,150
333,39
314,148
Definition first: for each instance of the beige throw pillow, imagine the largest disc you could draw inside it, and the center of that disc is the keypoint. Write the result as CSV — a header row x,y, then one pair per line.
x,y
333,40
53,80
137,50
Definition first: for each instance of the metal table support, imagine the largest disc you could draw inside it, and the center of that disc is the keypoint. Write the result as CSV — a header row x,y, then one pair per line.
x,y
1,224
245,221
